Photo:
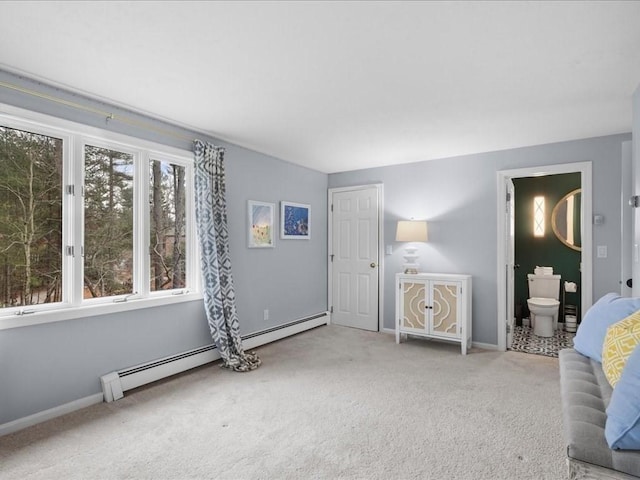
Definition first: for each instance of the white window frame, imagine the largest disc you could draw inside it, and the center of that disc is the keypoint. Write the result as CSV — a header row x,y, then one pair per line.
x,y
74,136
136,155
192,252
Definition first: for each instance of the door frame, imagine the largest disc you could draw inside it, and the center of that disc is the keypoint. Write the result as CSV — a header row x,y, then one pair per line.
x,y
626,231
586,260
380,207
510,257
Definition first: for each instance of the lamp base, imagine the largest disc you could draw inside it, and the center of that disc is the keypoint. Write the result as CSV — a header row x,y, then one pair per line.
x,y
410,257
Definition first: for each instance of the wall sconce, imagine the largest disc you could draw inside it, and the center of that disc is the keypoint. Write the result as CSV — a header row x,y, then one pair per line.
x,y
411,231
538,216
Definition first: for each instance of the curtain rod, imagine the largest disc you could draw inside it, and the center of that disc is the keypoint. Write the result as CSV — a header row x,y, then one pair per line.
x,y
108,115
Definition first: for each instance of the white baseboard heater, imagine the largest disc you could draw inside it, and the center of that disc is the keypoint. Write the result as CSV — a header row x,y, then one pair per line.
x,y
114,384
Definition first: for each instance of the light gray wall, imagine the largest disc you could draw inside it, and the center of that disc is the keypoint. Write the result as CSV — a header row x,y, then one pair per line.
x,y
44,366
457,196
291,279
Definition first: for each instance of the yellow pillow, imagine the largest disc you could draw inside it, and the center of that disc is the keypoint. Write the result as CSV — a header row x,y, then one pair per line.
x,y
620,341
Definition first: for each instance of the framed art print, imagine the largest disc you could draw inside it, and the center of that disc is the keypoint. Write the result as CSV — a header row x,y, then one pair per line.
x,y
260,225
295,221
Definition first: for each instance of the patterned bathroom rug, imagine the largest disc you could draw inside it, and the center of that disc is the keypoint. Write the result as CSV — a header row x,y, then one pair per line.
x,y
525,341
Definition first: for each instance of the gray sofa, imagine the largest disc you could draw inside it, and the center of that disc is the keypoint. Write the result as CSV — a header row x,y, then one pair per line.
x,y
585,396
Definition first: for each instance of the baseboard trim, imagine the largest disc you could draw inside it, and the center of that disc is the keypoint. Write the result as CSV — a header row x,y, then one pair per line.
x,y
49,414
484,346
267,336
211,354
116,383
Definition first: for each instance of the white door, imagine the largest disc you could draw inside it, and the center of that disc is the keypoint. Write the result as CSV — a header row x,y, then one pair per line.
x,y
510,256
354,258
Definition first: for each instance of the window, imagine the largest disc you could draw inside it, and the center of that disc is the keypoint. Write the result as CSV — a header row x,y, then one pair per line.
x,y
168,228
86,221
538,216
108,222
30,218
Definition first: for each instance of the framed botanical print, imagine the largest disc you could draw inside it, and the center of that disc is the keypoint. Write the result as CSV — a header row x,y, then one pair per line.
x,y
295,221
260,227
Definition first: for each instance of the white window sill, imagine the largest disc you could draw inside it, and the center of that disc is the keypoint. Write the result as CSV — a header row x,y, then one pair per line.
x,y
70,313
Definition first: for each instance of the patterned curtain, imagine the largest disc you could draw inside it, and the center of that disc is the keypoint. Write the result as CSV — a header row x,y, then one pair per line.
x,y
217,280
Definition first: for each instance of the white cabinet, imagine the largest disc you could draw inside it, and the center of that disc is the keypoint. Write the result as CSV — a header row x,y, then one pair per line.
x,y
434,305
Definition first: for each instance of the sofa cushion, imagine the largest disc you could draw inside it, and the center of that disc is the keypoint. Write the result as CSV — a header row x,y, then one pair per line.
x,y
622,428
583,409
608,310
584,420
622,337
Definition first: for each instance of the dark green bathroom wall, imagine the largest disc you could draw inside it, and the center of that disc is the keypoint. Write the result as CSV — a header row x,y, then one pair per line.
x,y
548,250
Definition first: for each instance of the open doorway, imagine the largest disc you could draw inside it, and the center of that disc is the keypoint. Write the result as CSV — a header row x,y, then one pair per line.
x,y
506,239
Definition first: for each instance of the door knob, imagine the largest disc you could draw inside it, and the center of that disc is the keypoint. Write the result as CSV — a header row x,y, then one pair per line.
x,y
372,265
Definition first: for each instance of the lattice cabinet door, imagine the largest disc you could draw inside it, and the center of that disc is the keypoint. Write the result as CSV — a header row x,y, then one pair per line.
x,y
444,308
413,314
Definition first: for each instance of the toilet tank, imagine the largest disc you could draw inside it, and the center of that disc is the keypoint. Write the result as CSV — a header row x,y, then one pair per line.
x,y
544,286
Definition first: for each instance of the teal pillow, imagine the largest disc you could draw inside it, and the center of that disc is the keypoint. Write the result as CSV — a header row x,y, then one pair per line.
x,y
622,428
605,312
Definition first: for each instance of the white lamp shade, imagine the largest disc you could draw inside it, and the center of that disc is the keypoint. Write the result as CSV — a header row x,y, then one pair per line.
x,y
411,231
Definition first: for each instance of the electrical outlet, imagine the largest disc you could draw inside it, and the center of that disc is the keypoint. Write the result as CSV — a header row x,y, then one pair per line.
x,y
602,251
266,314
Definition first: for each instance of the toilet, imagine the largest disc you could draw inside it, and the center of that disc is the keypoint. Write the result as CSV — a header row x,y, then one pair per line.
x,y
543,303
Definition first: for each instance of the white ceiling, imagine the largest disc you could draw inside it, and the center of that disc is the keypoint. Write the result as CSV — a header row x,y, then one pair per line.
x,y
339,86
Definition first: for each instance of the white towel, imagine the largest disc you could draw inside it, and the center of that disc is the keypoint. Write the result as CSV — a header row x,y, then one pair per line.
x,y
543,270
570,287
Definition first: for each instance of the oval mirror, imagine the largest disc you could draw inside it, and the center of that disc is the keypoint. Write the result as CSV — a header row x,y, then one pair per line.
x,y
565,219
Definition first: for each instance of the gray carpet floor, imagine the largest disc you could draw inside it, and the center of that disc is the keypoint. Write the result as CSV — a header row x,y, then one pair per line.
x,y
330,403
